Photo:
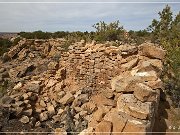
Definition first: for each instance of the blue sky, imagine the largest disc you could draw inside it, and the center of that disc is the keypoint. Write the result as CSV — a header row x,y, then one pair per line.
x,y
52,17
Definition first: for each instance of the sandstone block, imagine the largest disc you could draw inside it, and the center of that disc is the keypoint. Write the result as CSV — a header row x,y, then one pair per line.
x,y
143,92
130,64
104,128
152,51
24,119
68,98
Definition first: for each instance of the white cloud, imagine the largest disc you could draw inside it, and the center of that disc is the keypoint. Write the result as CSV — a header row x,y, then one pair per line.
x,y
54,17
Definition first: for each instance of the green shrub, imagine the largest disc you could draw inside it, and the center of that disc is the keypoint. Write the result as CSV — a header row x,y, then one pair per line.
x,y
108,32
66,45
166,32
15,42
5,44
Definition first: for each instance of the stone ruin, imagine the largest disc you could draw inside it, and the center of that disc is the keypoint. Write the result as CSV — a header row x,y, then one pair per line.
x,y
87,89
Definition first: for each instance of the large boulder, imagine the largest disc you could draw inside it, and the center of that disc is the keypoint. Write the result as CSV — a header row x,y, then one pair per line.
x,y
149,50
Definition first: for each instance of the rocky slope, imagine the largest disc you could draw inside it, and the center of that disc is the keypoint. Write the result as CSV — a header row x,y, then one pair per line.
x,y
90,88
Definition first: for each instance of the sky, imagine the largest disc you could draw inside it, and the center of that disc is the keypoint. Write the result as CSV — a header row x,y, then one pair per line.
x,y
72,16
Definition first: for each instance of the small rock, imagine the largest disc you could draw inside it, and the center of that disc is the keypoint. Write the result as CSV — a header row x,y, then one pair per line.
x,y
33,87
24,119
42,103
25,96
38,124
2,70
87,131
102,100
43,116
28,112
51,83
52,65
68,98
89,107
56,118
60,131
61,94
60,111
51,110
130,64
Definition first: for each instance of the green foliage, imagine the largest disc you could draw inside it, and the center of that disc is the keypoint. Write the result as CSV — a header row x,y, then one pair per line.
x,y
36,35
139,37
15,42
60,34
66,45
5,44
3,88
166,32
108,32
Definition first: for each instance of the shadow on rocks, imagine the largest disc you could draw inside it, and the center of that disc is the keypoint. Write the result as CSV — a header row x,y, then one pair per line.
x,y
160,124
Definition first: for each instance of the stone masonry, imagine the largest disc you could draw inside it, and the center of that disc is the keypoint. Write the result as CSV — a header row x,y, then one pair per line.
x,y
89,89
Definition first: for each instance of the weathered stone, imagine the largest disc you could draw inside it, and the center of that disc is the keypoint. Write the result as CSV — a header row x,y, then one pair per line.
x,y
158,84
32,87
130,64
143,92
61,73
59,86
51,110
23,53
28,112
152,51
104,128
43,116
128,49
2,70
102,100
121,83
68,98
123,100
128,104
42,103
60,131
145,76
118,121
60,111
24,119
38,124
6,100
81,99
51,83
19,111
99,114
56,118
53,65
15,50
136,126
61,94
25,96
89,107
13,73
87,131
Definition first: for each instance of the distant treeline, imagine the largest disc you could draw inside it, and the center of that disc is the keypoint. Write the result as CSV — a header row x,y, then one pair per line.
x,y
103,33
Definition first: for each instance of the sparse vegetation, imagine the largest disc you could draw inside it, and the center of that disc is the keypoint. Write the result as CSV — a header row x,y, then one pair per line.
x,y
166,32
5,44
108,32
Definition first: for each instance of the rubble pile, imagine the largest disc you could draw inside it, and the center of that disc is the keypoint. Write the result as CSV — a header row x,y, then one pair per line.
x,y
87,89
